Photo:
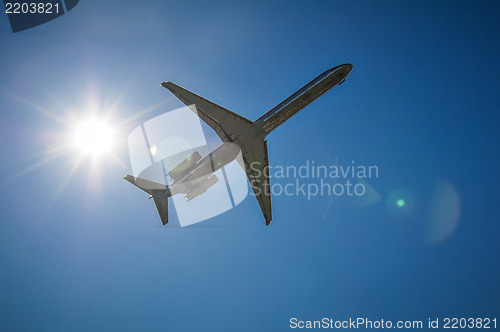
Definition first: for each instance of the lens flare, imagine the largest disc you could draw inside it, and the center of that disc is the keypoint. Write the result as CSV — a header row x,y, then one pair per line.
x,y
94,137
401,202
444,213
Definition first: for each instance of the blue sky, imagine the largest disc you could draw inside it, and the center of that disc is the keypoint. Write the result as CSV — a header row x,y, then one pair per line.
x,y
82,249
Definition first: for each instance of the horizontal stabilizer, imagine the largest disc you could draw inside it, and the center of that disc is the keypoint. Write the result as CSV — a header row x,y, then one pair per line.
x,y
150,187
162,207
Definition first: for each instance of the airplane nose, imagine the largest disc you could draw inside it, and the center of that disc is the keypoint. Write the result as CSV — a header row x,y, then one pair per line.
x,y
347,67
343,71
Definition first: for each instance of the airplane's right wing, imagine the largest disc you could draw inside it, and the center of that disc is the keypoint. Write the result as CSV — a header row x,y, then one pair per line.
x,y
256,166
226,124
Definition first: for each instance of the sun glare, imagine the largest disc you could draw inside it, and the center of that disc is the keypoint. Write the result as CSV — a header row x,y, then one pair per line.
x,y
94,137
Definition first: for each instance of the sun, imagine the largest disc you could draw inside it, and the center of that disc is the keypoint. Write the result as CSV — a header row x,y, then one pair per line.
x,y
94,137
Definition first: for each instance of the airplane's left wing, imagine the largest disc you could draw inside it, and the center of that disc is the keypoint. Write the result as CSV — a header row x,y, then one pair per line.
x,y
226,124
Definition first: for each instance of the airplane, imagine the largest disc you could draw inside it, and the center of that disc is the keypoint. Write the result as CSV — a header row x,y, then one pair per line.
x,y
195,175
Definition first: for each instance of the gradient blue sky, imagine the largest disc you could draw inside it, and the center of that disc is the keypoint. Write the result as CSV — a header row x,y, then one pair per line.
x,y
81,249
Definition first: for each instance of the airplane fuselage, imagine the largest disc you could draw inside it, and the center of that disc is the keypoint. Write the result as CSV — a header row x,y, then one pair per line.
x,y
300,99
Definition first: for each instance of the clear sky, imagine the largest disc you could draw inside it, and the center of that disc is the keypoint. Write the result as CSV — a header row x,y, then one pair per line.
x,y
82,249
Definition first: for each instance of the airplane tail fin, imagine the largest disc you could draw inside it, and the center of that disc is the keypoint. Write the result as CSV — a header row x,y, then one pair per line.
x,y
156,190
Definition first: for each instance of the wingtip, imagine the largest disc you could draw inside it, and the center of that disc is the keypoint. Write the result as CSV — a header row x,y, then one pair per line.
x,y
129,178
